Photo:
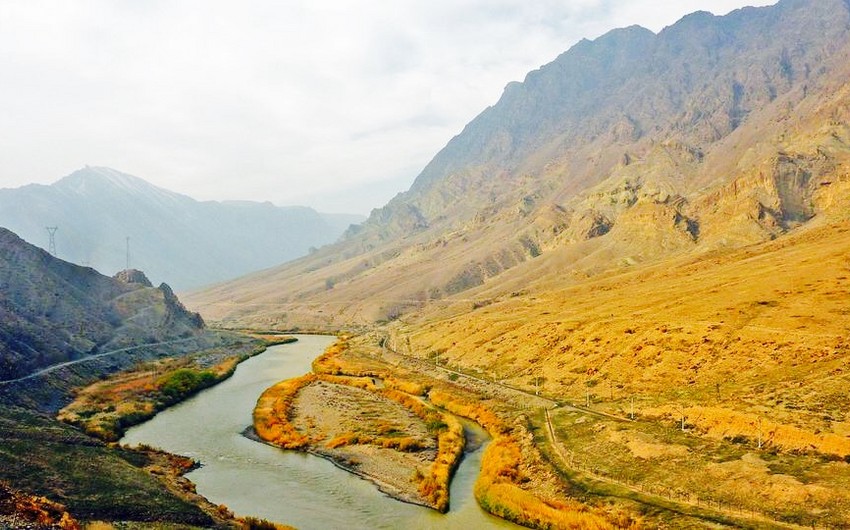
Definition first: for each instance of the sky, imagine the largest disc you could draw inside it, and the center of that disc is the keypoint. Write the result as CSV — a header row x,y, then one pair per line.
x,y
334,104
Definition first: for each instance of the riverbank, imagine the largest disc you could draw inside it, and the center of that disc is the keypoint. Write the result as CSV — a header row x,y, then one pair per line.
x,y
104,410
383,486
107,408
515,483
395,439
292,487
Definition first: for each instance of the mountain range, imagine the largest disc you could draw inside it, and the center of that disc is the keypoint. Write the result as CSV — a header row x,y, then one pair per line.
x,y
716,133
173,238
651,233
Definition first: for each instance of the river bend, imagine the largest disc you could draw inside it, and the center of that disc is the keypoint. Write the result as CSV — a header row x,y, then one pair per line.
x,y
287,486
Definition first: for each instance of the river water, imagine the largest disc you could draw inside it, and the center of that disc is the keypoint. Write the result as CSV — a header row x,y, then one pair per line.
x,y
288,487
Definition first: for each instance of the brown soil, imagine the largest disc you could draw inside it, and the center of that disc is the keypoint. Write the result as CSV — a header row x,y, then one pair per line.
x,y
328,411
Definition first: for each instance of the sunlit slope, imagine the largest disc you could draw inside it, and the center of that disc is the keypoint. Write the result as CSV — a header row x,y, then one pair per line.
x,y
764,328
794,175
716,133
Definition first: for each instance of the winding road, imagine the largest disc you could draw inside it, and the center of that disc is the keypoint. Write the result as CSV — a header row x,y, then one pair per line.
x,y
55,367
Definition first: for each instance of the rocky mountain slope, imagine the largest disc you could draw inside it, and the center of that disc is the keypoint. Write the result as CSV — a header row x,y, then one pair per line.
x,y
52,311
173,237
716,133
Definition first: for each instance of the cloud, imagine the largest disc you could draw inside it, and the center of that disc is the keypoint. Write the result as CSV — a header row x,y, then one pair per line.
x,y
283,101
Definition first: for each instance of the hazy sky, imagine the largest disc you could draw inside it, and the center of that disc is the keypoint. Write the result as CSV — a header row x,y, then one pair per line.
x,y
334,104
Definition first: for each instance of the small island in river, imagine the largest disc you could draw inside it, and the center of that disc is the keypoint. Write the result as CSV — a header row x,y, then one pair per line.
x,y
401,429
379,427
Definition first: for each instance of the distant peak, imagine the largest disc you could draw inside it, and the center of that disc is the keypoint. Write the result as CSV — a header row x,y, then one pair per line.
x,y
89,173
625,34
98,179
615,38
698,15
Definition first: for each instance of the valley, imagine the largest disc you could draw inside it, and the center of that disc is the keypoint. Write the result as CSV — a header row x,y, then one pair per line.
x,y
640,253
618,298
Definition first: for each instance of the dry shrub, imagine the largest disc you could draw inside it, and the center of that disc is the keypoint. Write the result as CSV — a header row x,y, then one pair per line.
x,y
721,423
364,383
477,412
498,493
254,523
404,444
411,403
328,362
331,363
408,387
272,413
450,443
349,438
34,512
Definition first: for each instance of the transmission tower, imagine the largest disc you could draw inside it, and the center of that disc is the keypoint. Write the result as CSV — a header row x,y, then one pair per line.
x,y
51,233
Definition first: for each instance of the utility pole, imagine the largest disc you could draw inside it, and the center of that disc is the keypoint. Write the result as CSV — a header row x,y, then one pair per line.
x,y
632,414
51,234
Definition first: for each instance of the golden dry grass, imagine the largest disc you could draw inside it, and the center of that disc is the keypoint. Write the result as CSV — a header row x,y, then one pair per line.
x,y
272,414
727,424
759,329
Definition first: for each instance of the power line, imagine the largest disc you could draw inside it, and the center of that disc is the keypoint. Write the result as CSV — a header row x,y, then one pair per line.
x,y
51,233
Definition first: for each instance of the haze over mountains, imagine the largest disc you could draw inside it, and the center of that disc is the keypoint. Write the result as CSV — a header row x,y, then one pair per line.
x,y
716,133
173,238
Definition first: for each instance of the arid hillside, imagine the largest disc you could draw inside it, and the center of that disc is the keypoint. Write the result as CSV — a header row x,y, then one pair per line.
x,y
52,311
760,328
715,134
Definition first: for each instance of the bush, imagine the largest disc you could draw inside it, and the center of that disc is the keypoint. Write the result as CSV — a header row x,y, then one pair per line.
x,y
184,382
252,523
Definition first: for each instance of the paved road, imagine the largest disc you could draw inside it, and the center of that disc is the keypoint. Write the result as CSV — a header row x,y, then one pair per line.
x,y
55,367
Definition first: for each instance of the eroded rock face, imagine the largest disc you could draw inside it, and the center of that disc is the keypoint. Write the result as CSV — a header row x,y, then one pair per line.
x,y
133,276
717,132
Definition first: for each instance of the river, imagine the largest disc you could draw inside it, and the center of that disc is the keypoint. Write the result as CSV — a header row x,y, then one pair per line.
x,y
289,487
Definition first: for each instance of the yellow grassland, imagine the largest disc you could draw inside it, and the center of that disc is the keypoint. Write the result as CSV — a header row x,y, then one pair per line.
x,y
763,330
723,423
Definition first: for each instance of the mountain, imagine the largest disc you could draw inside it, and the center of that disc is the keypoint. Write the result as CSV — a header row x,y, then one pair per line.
x,y
173,237
714,134
52,311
